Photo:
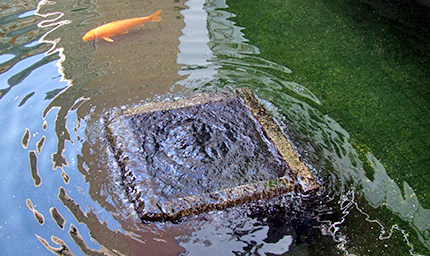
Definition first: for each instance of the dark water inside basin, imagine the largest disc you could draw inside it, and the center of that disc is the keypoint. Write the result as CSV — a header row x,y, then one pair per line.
x,y
345,86
220,141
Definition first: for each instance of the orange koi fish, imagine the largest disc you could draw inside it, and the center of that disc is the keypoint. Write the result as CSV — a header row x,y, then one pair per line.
x,y
118,27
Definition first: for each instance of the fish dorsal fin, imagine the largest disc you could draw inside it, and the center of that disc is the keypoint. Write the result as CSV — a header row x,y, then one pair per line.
x,y
108,39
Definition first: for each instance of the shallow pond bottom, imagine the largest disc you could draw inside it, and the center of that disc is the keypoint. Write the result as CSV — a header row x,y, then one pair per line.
x,y
208,152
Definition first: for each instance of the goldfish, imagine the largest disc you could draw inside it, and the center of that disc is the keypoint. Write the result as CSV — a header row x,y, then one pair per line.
x,y
118,27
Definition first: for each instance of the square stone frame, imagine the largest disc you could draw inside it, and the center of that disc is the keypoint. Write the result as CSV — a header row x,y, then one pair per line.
x,y
218,200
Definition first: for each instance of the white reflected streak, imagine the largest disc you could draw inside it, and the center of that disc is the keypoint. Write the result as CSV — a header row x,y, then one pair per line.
x,y
347,203
26,14
383,191
333,229
6,57
193,48
302,91
52,20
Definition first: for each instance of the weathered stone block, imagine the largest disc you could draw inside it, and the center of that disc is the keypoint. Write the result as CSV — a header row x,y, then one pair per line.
x,y
209,152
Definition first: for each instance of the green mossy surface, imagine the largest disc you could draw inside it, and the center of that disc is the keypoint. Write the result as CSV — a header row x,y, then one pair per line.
x,y
368,76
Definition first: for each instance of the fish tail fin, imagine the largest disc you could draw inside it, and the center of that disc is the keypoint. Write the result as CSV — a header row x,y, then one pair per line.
x,y
154,17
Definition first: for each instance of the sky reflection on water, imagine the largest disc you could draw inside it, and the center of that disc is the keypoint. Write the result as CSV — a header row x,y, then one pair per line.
x,y
59,86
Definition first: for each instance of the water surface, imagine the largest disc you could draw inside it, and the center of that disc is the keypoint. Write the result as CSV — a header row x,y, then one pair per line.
x,y
345,87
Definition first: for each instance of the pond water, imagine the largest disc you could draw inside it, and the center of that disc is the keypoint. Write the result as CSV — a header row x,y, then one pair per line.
x,y
349,91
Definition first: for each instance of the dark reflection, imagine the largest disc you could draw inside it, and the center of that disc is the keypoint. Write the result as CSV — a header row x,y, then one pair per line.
x,y
25,138
37,215
53,93
410,17
34,168
26,97
20,51
56,215
17,78
282,226
62,250
290,216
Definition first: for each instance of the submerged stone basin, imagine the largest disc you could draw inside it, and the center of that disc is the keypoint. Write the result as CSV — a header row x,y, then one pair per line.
x,y
209,152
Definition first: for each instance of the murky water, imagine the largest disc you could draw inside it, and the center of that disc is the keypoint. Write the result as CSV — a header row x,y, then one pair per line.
x,y
61,193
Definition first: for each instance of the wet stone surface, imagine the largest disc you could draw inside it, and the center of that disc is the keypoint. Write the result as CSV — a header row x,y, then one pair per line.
x,y
190,156
204,148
